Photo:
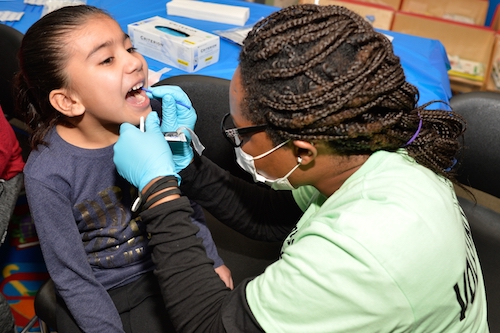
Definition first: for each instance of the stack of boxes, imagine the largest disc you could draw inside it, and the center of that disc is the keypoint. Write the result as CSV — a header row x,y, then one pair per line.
x,y
473,49
493,83
459,25
379,14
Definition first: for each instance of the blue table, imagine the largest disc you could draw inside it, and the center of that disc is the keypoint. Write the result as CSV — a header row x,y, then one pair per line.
x,y
424,60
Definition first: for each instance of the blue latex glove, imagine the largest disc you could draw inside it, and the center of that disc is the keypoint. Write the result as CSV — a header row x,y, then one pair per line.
x,y
176,108
142,156
177,112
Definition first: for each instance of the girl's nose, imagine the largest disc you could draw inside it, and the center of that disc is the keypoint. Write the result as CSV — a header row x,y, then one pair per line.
x,y
133,62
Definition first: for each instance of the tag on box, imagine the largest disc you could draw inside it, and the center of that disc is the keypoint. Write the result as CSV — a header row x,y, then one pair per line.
x,y
175,44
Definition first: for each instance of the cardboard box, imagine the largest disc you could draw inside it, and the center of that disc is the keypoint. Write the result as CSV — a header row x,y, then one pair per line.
x,y
464,11
493,80
175,44
495,20
280,3
380,17
467,42
394,4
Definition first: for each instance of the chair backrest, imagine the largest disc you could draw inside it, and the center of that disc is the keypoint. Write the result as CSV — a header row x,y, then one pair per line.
x,y
10,42
210,98
46,304
480,170
481,156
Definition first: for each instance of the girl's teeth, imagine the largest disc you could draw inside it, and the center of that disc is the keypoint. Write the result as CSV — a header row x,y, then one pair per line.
x,y
139,86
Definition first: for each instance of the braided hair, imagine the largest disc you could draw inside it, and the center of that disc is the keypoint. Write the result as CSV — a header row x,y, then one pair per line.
x,y
322,73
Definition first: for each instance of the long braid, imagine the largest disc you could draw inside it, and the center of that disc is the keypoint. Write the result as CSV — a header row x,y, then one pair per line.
x,y
323,73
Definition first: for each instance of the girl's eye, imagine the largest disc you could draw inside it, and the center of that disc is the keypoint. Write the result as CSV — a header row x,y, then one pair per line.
x,y
107,61
131,50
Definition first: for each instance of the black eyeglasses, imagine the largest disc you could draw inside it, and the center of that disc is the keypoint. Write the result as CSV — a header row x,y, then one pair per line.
x,y
234,134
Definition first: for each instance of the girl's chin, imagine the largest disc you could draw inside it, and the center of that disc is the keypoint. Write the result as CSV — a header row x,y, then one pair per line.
x,y
143,111
142,114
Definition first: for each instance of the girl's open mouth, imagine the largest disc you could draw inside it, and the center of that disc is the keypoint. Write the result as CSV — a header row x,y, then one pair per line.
x,y
137,97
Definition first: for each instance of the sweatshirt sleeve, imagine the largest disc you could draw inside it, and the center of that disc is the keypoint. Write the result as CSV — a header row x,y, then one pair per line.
x,y
67,262
195,297
198,218
11,160
254,210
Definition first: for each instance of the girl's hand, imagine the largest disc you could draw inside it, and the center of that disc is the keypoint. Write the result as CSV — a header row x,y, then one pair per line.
x,y
225,276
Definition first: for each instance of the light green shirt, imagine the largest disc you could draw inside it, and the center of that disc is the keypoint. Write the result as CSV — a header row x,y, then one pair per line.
x,y
387,252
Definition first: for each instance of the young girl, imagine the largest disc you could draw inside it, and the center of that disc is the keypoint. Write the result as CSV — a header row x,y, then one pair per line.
x,y
80,78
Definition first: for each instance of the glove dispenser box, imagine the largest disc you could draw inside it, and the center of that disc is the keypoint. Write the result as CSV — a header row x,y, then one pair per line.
x,y
175,44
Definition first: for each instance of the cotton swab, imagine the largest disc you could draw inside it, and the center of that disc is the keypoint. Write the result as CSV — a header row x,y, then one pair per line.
x,y
141,124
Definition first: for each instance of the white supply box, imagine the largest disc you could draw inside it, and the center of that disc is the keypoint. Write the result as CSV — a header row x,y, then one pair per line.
x,y
174,44
209,11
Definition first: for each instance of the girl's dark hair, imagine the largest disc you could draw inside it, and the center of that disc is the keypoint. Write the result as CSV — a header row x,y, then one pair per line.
x,y
42,58
322,73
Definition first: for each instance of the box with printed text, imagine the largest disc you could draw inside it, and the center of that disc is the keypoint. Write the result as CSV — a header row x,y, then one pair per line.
x,y
469,47
379,16
175,44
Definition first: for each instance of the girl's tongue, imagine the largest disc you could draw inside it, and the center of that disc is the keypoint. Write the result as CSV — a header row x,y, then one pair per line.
x,y
137,97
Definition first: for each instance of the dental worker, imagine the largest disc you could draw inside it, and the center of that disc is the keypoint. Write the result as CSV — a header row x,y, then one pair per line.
x,y
361,194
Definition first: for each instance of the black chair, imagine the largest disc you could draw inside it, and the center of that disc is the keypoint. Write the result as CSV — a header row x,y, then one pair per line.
x,y
210,98
10,42
45,309
480,171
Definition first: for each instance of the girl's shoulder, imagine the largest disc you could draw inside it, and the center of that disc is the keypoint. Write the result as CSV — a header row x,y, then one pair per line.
x,y
58,158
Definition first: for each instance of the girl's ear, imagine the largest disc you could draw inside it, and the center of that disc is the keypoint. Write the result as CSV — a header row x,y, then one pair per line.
x,y
66,103
306,151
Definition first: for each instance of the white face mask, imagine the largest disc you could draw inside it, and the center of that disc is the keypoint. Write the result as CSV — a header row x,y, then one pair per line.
x,y
246,162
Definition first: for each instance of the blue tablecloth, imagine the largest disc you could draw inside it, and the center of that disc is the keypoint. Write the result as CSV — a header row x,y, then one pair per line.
x,y
424,60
